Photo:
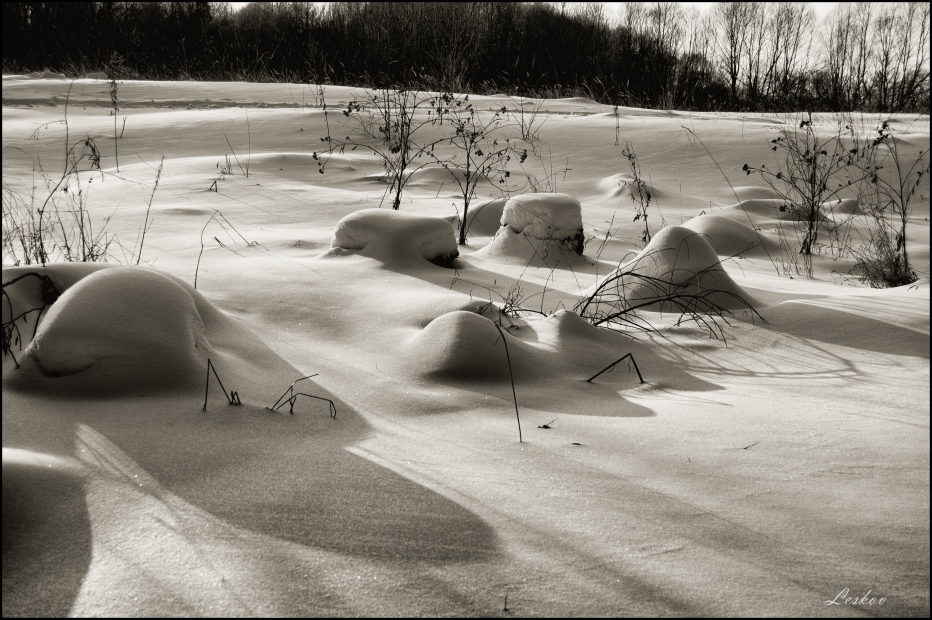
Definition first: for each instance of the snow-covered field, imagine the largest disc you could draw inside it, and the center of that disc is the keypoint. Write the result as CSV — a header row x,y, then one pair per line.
x,y
784,470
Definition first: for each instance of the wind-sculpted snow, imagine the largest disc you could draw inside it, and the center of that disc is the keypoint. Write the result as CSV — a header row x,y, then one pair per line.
x,y
483,219
114,329
759,473
462,345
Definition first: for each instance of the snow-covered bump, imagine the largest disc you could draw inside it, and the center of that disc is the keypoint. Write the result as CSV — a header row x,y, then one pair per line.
x,y
843,206
483,219
676,261
544,216
390,235
729,237
465,346
126,325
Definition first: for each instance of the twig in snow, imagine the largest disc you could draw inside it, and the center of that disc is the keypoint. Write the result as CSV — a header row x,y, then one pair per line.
x,y
232,398
512,376
292,396
613,364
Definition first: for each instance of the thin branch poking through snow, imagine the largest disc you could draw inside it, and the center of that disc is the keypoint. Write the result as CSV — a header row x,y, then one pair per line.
x,y
232,397
512,376
615,363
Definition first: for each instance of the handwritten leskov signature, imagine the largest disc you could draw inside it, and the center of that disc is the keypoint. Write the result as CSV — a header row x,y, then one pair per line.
x,y
842,598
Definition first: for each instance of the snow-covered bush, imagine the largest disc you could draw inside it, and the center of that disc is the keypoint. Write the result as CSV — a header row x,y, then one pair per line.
x,y
479,153
811,171
677,272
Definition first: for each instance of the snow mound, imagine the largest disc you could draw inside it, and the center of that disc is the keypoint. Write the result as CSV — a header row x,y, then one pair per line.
x,y
569,334
434,176
544,216
538,228
677,261
47,75
463,345
621,184
390,236
483,220
770,208
517,248
122,327
729,237
750,192
845,206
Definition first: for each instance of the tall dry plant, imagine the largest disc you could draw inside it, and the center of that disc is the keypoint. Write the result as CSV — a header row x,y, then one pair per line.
x,y
809,171
883,259
115,71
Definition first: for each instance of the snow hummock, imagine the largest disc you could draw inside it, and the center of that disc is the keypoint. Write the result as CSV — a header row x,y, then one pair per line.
x,y
544,216
483,219
114,329
677,260
729,237
122,322
462,345
47,75
544,229
389,236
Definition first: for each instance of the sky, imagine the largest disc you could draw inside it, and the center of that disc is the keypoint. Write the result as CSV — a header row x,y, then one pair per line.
x,y
821,8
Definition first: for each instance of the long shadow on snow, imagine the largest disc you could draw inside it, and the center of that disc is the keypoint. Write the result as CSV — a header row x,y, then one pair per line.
x,y
290,477
809,321
287,476
46,539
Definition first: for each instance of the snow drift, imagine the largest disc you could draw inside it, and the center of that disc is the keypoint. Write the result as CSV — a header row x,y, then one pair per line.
x,y
729,237
121,322
483,219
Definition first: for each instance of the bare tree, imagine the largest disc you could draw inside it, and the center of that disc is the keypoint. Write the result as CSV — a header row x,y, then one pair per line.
x,y
754,47
846,39
732,22
901,75
790,28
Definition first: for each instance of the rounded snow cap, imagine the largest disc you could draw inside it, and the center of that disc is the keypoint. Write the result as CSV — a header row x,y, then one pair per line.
x,y
544,216
389,236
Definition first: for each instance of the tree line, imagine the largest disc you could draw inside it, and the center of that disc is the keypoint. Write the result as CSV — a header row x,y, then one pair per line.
x,y
758,56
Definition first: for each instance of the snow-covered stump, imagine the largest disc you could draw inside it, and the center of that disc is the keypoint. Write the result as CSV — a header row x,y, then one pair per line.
x,y
391,236
545,226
